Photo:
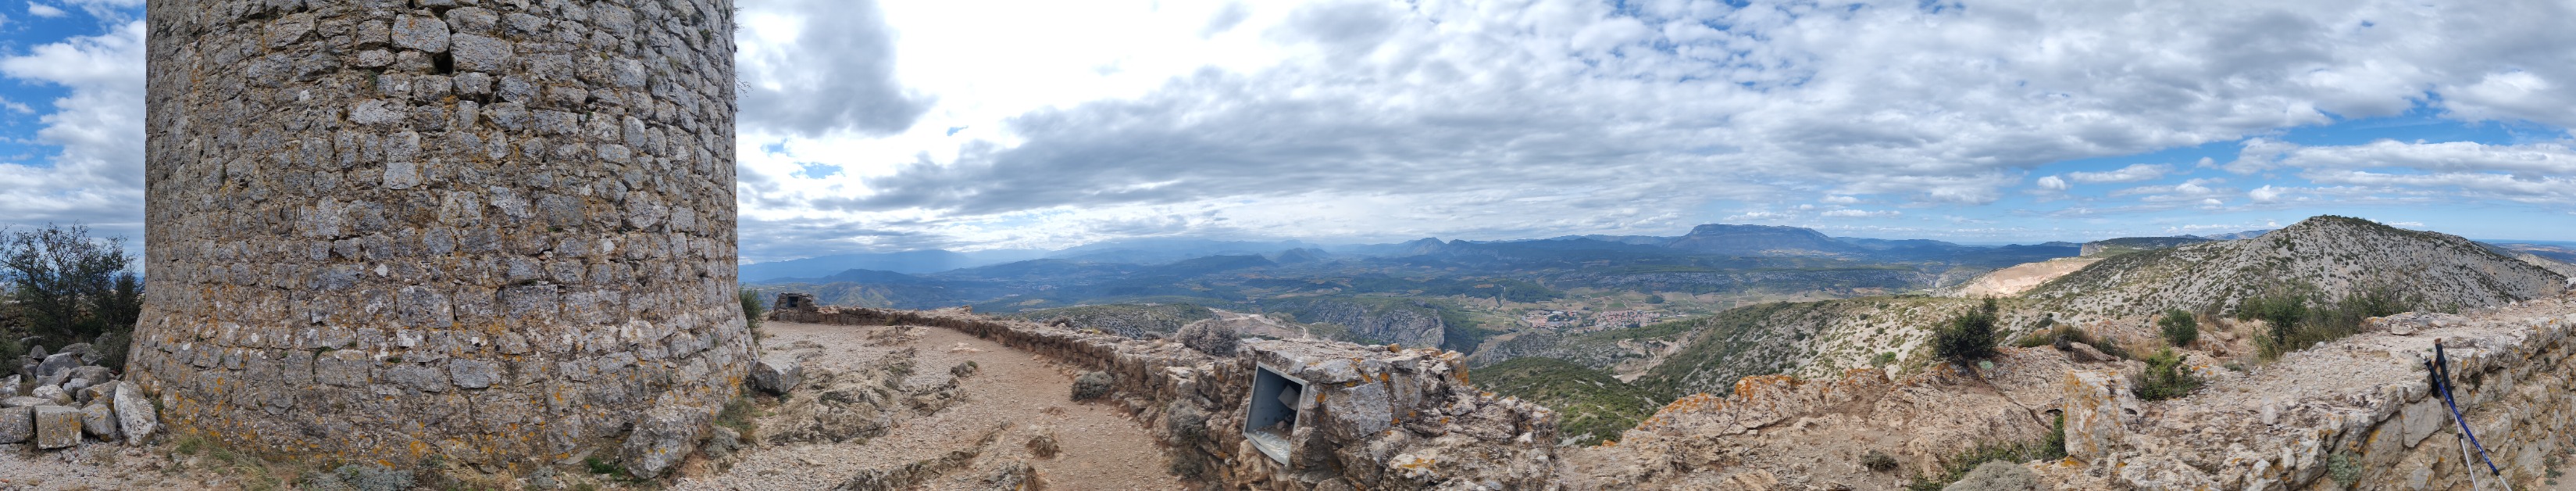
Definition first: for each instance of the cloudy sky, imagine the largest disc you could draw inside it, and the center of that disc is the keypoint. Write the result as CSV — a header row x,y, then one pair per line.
x,y
969,124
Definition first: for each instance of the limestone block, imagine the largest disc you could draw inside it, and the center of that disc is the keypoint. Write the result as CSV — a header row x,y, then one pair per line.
x,y
2424,418
17,424
22,401
99,421
57,426
134,413
665,435
420,33
777,374
9,387
100,392
473,374
2096,418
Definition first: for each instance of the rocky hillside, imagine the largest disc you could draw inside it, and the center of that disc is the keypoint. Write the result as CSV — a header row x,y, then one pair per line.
x,y
2328,255
1369,320
1597,407
2125,245
1130,320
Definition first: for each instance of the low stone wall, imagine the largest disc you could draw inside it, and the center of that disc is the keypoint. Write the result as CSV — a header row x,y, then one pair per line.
x,y
2378,420
1373,417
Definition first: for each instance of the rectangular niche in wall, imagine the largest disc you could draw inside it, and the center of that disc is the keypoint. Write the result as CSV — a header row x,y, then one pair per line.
x,y
1272,416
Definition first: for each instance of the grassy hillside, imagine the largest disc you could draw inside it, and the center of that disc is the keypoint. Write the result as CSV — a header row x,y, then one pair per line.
x,y
1595,406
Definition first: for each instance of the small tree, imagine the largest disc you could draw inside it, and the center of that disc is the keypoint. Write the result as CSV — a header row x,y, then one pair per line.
x,y
2179,327
70,287
1968,337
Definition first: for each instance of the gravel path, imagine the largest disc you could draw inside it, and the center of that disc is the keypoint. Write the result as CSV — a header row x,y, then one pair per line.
x,y
1102,447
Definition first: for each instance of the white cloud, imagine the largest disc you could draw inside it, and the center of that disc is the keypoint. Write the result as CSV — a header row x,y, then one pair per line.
x,y
46,11
1565,107
2264,194
2132,173
1862,213
2053,183
98,176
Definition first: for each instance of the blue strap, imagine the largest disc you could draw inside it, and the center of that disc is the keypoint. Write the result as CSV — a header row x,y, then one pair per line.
x,y
2440,365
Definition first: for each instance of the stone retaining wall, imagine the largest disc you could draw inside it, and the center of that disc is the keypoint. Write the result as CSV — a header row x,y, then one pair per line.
x,y
1377,418
2512,379
499,232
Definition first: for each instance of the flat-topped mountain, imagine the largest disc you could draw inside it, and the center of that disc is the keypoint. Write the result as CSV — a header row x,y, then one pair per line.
x,y
1758,240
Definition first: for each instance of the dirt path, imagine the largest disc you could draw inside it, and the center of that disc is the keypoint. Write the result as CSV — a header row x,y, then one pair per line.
x,y
1102,447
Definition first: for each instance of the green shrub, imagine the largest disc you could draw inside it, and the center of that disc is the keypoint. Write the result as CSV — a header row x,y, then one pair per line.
x,y
2179,327
1968,337
1093,385
741,414
751,308
2295,321
2165,378
1882,359
2281,311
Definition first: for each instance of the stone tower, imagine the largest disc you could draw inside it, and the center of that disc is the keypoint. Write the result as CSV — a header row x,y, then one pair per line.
x,y
491,231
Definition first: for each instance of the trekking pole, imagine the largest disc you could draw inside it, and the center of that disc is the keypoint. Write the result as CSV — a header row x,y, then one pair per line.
x,y
2439,367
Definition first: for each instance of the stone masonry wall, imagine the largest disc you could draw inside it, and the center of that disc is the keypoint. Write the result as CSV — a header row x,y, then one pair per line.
x,y
1378,418
488,230
2377,414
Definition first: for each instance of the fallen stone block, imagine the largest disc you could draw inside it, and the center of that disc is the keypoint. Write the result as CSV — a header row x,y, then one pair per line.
x,y
22,401
17,424
134,413
99,421
776,374
57,426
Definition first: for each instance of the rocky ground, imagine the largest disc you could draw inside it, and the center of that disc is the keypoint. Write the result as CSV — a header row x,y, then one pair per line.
x,y
1011,394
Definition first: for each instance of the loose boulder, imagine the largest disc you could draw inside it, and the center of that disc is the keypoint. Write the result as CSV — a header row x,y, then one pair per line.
x,y
134,413
52,394
91,375
776,374
56,363
57,426
99,421
17,424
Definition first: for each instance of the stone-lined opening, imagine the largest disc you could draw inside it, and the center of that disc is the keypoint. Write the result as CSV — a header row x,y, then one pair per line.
x,y
1272,415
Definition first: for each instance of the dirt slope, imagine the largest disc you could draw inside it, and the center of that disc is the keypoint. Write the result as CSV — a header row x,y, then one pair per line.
x,y
1102,447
